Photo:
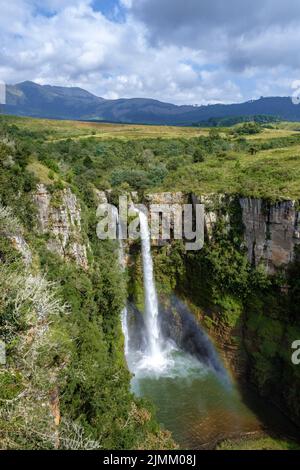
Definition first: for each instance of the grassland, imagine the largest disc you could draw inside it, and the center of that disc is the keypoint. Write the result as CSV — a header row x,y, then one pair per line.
x,y
60,130
271,174
275,133
138,157
64,129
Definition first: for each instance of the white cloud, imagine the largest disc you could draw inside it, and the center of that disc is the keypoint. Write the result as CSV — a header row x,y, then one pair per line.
x,y
184,56
126,3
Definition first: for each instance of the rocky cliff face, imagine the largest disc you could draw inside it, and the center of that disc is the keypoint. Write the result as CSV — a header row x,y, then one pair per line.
x,y
167,202
166,198
11,229
214,210
271,232
59,215
22,247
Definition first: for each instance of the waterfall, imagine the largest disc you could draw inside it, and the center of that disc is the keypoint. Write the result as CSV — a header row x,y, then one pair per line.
x,y
160,355
124,322
155,356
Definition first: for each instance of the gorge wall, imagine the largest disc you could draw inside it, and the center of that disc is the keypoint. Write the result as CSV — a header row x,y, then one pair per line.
x,y
272,231
243,286
59,216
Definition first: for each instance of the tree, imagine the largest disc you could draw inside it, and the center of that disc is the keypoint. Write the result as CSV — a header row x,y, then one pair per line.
x,y
198,155
249,128
253,150
214,133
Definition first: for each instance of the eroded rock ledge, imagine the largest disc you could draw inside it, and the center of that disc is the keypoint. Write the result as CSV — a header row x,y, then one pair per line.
x,y
59,216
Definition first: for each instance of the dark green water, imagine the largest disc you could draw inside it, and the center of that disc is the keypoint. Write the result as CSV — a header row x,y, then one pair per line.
x,y
192,402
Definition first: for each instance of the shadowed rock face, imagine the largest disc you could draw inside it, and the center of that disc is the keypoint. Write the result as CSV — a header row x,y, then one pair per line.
x,y
271,231
60,217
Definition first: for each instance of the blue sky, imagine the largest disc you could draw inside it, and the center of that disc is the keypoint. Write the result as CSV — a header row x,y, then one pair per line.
x,y
181,51
106,6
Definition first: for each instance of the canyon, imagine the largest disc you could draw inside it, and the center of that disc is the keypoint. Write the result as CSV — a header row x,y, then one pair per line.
x,y
200,330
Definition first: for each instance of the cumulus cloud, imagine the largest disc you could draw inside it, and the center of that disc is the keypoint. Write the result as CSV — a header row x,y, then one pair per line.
x,y
179,51
248,32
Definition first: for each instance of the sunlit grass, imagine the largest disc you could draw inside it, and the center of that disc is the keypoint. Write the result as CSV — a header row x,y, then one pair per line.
x,y
77,129
272,174
42,173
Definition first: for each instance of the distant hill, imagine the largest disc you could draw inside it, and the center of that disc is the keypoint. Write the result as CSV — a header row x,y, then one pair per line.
x,y
30,99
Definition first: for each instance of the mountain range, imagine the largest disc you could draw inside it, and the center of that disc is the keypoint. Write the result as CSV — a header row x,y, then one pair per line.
x,y
31,99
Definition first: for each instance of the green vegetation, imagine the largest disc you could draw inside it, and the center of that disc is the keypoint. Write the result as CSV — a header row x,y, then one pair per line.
x,y
65,384
271,325
261,443
247,159
249,128
78,339
253,168
264,119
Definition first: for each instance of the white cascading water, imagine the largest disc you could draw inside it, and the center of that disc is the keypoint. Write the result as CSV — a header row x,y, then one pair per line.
x,y
124,316
161,356
155,357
